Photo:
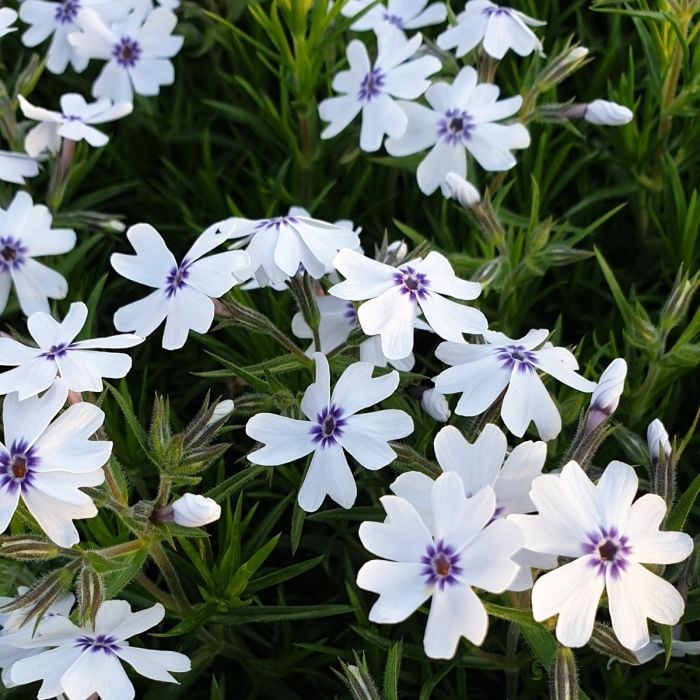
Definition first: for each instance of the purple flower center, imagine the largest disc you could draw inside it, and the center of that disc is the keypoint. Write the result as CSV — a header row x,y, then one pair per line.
x,y
67,11
176,278
441,564
393,19
101,642
516,356
371,85
127,52
17,466
413,283
11,253
456,126
276,223
350,314
55,351
329,426
498,11
608,549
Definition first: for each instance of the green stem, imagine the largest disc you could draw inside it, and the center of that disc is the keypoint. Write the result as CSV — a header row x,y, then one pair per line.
x,y
121,550
171,578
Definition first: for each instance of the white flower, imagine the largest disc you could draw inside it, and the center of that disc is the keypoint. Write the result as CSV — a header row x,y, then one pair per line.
x,y
396,14
333,426
26,233
656,647
183,292
278,246
7,19
47,463
81,363
462,190
14,167
72,122
397,293
657,440
16,627
435,405
605,113
221,410
609,539
479,465
87,660
369,89
462,548
461,119
500,29
482,373
606,395
58,19
137,50
193,510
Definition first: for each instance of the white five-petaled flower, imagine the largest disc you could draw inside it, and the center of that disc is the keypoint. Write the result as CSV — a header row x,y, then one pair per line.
x,y
482,464
460,118
137,50
15,167
26,233
73,122
279,246
7,19
80,363
462,547
609,539
333,426
607,393
183,292
500,29
395,14
87,660
370,88
57,19
482,372
46,463
396,294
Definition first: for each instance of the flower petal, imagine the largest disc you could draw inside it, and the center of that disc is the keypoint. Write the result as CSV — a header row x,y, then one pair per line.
x,y
357,389
365,436
527,400
392,316
328,475
285,439
317,395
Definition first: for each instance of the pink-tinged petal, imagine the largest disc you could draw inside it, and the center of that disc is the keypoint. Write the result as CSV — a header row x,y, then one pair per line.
x,y
512,487
366,278
443,279
97,673
285,439
421,131
551,363
392,315
153,261
365,436
29,378
455,612
356,389
9,498
317,395
417,488
636,594
527,400
155,664
573,592
328,475
615,491
402,589
143,316
402,537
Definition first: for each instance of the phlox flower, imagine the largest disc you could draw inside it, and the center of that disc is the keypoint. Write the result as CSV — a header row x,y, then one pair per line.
x,y
26,233
396,14
655,648
482,372
87,660
81,363
279,246
17,628
73,122
57,20
47,463
7,19
461,549
183,291
609,539
370,88
15,167
461,119
607,393
478,465
396,294
137,50
499,28
332,427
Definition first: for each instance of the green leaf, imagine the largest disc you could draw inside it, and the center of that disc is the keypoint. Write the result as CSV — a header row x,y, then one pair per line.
x,y
666,634
193,621
391,672
233,484
115,581
247,569
131,418
676,520
281,575
281,613
618,295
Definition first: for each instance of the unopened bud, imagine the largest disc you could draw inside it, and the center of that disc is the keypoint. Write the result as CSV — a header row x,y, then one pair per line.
x,y
462,190
90,590
604,641
26,547
563,676
221,410
657,440
396,252
606,395
435,405
676,305
561,67
193,510
606,113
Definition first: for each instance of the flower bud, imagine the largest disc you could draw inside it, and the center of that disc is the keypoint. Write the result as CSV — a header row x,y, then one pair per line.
x,y
396,252
462,190
563,676
657,439
606,395
221,410
605,113
193,510
435,405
